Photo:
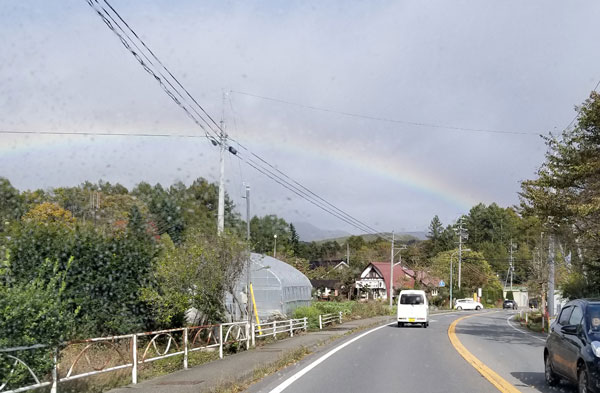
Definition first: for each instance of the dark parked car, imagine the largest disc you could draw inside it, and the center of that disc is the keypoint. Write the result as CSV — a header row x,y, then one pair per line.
x,y
572,349
509,304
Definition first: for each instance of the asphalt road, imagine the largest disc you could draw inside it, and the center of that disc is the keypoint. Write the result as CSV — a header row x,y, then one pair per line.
x,y
413,359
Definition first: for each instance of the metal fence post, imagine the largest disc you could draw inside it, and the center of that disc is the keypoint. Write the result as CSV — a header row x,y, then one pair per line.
x,y
340,317
305,324
291,328
185,348
275,330
252,327
320,322
134,359
221,341
247,336
54,388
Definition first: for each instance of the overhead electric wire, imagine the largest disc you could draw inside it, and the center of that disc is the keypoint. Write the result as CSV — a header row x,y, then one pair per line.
x,y
219,135
165,68
302,196
579,111
384,119
148,65
308,191
127,134
279,180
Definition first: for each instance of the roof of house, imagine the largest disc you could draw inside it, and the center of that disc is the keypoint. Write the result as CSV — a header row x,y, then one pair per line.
x,y
400,274
325,283
330,264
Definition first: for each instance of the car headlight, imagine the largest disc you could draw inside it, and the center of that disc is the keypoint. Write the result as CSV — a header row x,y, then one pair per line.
x,y
596,348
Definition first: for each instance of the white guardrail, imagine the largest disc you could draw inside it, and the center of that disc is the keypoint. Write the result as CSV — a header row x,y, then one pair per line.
x,y
325,319
104,354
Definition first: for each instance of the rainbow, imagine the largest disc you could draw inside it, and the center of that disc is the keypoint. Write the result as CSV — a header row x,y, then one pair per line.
x,y
390,168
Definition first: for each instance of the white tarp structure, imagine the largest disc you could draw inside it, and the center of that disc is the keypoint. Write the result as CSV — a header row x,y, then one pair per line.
x,y
279,289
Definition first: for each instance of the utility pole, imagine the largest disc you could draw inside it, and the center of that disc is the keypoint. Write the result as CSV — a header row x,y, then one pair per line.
x,y
347,253
248,267
248,213
275,247
550,275
461,234
95,203
392,272
512,267
221,207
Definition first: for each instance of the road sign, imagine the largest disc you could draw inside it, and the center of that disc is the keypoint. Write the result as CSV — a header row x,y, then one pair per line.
x,y
442,283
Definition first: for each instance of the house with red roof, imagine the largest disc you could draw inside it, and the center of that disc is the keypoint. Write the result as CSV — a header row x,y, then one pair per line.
x,y
375,280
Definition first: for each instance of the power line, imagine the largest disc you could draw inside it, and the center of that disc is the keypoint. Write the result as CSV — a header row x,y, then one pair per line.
x,y
172,86
299,192
384,119
147,64
127,134
579,111
298,188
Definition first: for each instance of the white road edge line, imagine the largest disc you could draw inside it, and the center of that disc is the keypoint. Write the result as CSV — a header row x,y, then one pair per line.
x,y
320,360
521,331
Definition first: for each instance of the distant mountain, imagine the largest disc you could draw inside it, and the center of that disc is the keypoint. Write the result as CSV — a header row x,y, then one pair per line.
x,y
309,233
421,235
403,237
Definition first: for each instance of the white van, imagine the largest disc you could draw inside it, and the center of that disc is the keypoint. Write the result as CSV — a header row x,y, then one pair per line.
x,y
413,308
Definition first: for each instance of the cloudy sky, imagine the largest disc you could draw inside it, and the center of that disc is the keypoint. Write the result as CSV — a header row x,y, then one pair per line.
x,y
516,68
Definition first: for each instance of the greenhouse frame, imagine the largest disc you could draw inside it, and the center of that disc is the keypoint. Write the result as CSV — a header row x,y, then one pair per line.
x,y
278,287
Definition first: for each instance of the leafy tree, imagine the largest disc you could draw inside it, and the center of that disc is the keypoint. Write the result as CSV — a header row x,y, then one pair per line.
x,y
106,272
435,229
33,312
476,271
448,238
164,208
49,213
195,274
438,238
262,231
330,249
565,195
355,242
294,240
12,204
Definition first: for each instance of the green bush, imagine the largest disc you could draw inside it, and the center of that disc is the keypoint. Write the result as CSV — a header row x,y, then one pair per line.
x,y
311,313
32,313
352,310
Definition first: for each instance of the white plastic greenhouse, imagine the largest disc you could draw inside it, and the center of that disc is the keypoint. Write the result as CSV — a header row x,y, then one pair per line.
x,y
279,289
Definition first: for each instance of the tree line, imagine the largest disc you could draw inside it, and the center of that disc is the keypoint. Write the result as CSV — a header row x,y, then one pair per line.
x,y
101,259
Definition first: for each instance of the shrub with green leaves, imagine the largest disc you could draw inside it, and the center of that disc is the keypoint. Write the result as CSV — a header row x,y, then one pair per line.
x,y
32,313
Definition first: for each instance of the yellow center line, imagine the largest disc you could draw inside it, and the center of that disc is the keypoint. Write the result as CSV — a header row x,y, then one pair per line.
x,y
500,383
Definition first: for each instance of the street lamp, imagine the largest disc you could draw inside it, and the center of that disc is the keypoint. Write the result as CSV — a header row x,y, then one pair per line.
x,y
451,255
275,247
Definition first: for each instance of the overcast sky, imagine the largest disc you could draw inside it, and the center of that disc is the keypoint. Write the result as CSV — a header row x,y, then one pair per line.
x,y
511,66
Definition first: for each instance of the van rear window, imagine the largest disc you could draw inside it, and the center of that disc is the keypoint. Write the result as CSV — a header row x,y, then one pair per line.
x,y
411,299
